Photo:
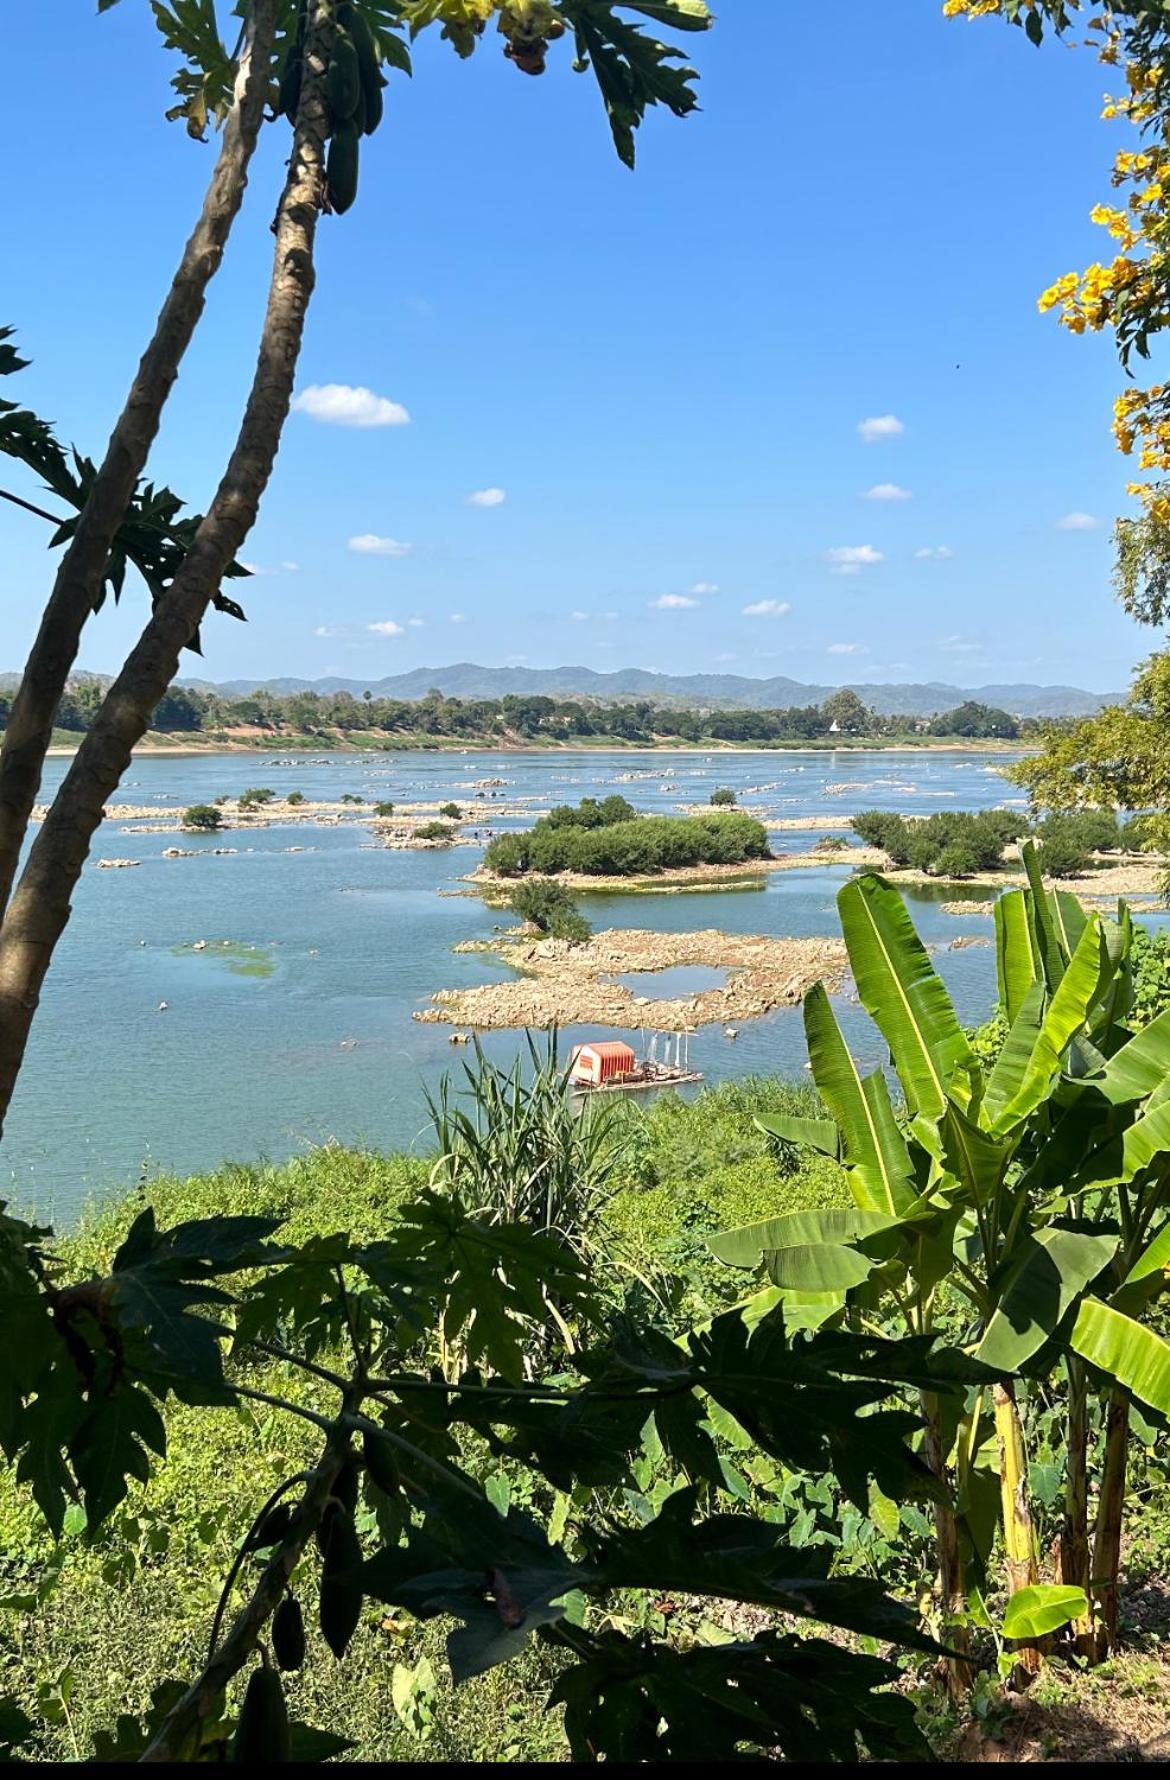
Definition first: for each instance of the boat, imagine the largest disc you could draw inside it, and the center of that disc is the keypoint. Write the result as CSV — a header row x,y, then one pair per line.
x,y
610,1066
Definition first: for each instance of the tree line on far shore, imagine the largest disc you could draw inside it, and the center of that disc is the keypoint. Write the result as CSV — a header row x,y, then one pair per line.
x,y
186,710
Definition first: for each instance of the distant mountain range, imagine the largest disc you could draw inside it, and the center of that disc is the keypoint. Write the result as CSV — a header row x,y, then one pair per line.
x,y
732,691
704,691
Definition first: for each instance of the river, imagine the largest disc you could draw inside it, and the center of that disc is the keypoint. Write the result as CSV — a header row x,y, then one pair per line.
x,y
299,1029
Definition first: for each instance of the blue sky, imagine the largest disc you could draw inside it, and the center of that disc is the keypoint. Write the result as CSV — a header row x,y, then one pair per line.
x,y
663,374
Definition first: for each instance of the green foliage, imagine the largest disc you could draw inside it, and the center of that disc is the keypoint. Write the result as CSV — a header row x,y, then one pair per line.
x,y
202,815
295,797
257,797
977,721
1001,1180
451,811
152,538
548,906
415,1526
627,845
435,831
951,843
723,797
385,809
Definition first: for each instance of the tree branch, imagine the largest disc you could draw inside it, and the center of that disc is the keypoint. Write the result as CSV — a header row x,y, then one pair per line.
x,y
79,575
40,906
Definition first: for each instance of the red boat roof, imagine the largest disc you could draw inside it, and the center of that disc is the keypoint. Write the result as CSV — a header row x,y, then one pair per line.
x,y
607,1047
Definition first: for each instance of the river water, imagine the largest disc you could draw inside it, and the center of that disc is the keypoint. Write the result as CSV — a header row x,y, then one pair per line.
x,y
299,1029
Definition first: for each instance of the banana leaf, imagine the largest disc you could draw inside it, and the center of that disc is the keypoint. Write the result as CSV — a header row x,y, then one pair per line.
x,y
1017,951
812,1134
904,996
1124,1350
872,1146
1050,1273
794,1229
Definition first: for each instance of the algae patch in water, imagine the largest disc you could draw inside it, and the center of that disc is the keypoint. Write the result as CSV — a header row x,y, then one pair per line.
x,y
241,960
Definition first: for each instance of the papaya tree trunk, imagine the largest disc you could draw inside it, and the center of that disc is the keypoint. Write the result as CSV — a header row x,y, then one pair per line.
x,y
1110,1514
40,905
1074,1532
956,1671
1019,1539
78,581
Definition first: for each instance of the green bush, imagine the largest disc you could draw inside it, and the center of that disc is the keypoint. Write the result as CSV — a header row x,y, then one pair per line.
x,y
633,847
550,907
1065,850
295,797
435,831
451,810
350,797
256,797
384,809
723,797
202,815
969,841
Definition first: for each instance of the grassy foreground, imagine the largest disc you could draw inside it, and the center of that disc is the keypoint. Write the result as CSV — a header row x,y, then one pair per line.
x,y
88,1630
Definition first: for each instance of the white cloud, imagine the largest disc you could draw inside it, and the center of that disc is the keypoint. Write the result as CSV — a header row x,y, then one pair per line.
x,y
847,649
959,646
457,618
935,553
386,627
886,491
726,655
342,404
674,602
611,617
850,559
331,630
1077,522
256,568
705,587
579,617
415,623
370,544
880,426
767,609
487,497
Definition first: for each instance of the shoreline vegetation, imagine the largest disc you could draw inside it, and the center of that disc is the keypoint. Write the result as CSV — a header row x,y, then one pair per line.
x,y
157,742
187,717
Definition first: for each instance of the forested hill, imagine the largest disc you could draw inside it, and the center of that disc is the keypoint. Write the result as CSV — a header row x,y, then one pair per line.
x,y
465,680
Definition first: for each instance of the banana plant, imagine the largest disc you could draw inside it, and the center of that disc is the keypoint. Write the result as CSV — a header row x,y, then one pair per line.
x,y
1025,1205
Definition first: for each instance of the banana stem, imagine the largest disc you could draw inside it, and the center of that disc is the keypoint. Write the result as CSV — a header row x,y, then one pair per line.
x,y
1018,1537
1074,1532
1110,1512
957,1672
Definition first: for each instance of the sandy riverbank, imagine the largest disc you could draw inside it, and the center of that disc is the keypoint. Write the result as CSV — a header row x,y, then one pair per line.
x,y
407,742
683,878
567,985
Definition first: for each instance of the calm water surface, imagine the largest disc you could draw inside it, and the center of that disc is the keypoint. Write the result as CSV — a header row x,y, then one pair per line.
x,y
299,1027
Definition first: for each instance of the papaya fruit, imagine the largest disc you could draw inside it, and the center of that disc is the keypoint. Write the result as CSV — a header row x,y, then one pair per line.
x,y
288,1634
341,168
343,83
381,1463
340,1601
262,1731
368,69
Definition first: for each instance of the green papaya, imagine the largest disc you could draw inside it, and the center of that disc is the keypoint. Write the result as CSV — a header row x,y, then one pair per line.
x,y
288,1634
343,83
381,1463
341,168
262,1733
290,86
368,69
340,1603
